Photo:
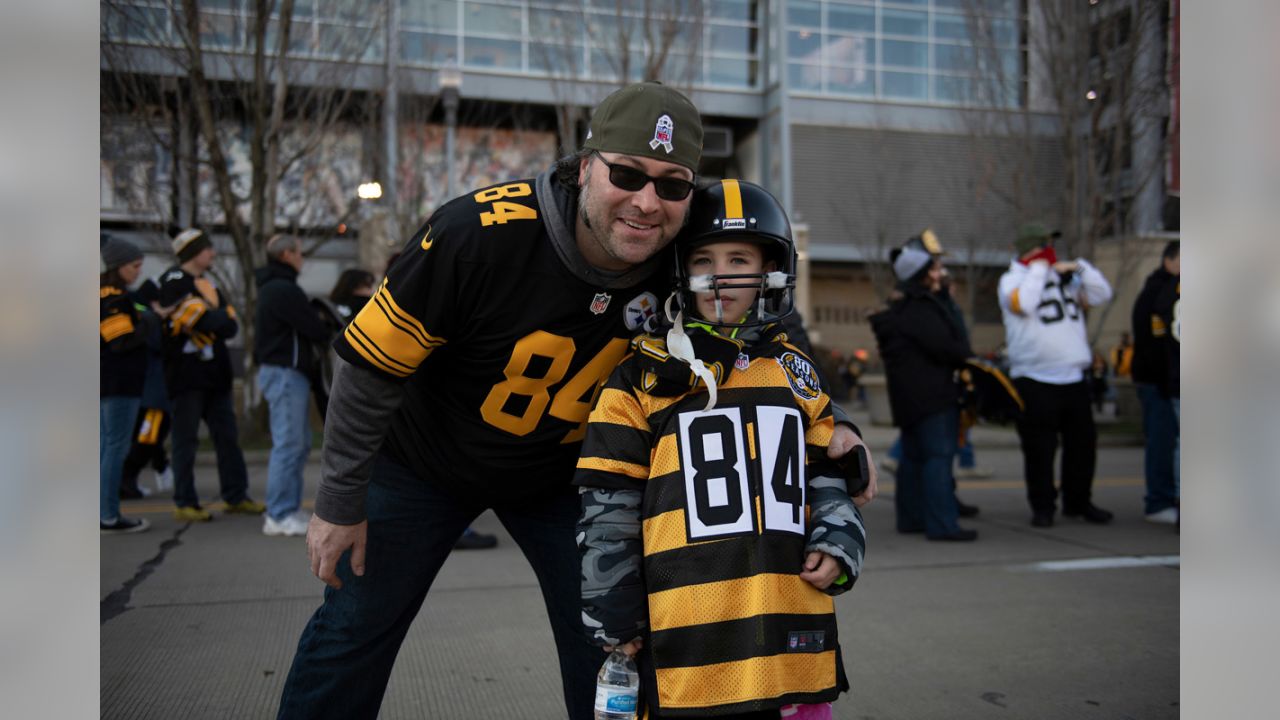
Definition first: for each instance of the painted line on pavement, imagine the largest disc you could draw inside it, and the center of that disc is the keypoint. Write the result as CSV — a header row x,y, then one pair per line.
x,y
1104,563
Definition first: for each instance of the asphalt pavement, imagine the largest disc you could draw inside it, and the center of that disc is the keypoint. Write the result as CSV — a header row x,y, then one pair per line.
x,y
1075,621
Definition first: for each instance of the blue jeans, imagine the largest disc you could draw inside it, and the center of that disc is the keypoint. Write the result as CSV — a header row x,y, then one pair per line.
x,y
1160,426
115,434
347,650
288,396
924,497
1177,447
964,454
215,408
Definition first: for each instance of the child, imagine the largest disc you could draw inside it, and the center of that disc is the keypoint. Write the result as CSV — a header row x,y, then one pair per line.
x,y
714,529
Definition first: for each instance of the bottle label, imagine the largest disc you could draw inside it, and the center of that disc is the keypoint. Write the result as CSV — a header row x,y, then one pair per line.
x,y
614,701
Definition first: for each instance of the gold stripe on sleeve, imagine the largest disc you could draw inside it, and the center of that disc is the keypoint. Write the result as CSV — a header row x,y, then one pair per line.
x,y
617,467
115,326
1015,304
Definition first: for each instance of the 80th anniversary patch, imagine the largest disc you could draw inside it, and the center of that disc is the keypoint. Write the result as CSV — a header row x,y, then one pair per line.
x,y
801,375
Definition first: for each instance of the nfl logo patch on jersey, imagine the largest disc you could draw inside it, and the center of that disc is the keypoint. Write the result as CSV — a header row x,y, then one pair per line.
x,y
743,362
639,313
600,303
801,376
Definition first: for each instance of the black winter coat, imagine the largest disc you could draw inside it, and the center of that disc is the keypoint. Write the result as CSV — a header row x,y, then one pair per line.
x,y
1150,364
287,324
922,345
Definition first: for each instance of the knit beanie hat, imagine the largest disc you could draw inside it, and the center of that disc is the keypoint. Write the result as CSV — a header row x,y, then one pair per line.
x,y
117,252
650,120
189,243
910,260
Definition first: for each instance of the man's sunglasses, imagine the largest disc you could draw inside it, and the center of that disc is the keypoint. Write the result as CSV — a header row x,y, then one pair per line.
x,y
630,179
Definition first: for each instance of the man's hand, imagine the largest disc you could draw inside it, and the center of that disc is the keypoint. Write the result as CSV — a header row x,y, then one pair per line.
x,y
820,570
628,648
325,544
844,440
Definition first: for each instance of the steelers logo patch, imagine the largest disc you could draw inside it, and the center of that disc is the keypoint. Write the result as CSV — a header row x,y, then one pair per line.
x,y
801,375
641,312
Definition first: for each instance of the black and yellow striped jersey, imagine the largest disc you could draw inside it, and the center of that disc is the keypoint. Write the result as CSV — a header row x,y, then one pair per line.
x,y
724,522
501,347
195,333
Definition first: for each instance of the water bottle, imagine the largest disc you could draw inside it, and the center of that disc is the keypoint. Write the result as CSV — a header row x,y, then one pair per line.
x,y
617,688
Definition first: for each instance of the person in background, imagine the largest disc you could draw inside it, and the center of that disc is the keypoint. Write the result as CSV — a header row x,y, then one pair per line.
x,y
350,293
152,428
287,328
1122,357
1099,387
352,290
1043,301
923,344
1156,374
122,371
786,538
198,372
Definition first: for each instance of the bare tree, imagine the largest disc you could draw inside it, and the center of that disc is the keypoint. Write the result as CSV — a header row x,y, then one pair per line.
x,y
201,82
1097,71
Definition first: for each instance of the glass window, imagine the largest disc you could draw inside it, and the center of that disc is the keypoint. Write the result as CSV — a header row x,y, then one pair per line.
x,y
349,43
606,29
913,86
953,57
804,45
429,47
851,17
804,77
804,12
731,39
135,22
950,27
907,2
486,52
850,50
502,19
905,54
905,22
851,81
682,69
218,30
733,9
952,88
728,71
607,63
430,14
1005,32
562,59
555,25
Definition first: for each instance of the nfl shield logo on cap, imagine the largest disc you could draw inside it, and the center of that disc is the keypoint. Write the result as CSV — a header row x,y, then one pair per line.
x,y
662,133
600,303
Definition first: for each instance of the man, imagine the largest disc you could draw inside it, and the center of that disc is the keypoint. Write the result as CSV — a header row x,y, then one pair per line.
x,y
287,326
1155,365
474,368
1043,302
923,342
198,374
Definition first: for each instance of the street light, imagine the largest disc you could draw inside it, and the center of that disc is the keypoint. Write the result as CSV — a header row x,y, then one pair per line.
x,y
450,89
369,191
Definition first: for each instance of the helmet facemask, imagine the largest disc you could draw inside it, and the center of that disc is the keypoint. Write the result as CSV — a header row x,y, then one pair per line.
x,y
775,289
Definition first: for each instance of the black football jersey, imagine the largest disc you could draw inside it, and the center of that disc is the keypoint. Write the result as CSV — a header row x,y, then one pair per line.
x,y
501,347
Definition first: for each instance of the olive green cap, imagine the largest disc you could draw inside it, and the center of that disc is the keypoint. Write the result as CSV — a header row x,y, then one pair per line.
x,y
650,120
1033,235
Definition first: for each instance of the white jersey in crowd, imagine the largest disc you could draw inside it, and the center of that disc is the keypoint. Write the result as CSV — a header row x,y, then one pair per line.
x,y
1044,321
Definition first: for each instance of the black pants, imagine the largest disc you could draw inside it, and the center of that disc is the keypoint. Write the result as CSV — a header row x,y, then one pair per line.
x,y
149,434
1054,410
215,409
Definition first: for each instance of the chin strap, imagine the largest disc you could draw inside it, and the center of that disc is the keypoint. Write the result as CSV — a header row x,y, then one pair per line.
x,y
679,346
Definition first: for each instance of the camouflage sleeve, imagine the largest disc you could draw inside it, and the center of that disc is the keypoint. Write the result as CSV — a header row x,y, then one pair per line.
x,y
837,529
613,598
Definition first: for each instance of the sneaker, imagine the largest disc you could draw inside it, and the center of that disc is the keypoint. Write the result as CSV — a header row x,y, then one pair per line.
x,y
1090,513
289,526
888,464
164,480
245,507
192,514
472,540
1042,520
972,473
1167,516
122,525
966,511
